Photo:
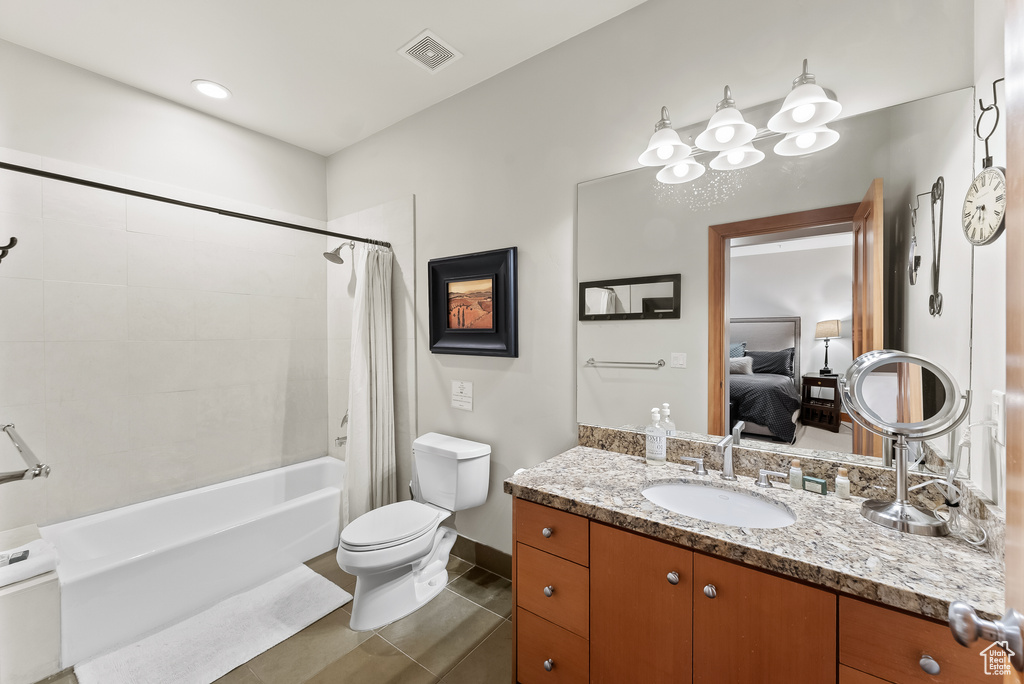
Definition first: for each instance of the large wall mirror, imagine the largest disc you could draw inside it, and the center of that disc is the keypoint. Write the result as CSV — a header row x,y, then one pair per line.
x,y
806,273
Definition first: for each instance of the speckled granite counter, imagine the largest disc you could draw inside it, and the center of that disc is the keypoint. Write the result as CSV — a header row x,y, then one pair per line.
x,y
830,544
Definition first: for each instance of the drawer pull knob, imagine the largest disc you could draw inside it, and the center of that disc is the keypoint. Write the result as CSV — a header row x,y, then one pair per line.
x,y
929,665
710,591
549,590
673,578
549,664
547,532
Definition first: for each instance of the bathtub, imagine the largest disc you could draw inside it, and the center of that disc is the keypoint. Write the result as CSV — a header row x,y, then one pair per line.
x,y
130,571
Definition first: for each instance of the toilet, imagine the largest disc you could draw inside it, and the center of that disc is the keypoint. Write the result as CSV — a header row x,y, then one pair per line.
x,y
398,552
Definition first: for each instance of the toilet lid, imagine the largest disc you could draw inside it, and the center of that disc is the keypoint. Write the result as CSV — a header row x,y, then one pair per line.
x,y
390,525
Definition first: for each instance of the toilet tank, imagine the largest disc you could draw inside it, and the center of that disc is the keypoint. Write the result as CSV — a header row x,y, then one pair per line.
x,y
452,473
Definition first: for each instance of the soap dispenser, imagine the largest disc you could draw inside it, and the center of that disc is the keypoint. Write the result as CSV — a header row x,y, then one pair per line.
x,y
666,422
655,440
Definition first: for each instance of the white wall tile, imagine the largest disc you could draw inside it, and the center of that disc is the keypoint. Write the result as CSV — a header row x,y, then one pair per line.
x,y
160,366
21,309
25,259
304,439
161,314
162,419
305,399
84,369
82,311
222,363
88,428
21,194
86,206
288,318
22,373
221,268
160,261
162,470
269,410
224,410
222,316
102,482
223,456
84,254
270,360
307,360
159,218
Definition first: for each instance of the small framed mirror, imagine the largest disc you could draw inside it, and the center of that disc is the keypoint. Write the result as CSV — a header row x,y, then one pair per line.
x,y
624,299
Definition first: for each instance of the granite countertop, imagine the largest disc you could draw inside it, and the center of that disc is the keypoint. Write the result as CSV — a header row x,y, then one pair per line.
x,y
830,544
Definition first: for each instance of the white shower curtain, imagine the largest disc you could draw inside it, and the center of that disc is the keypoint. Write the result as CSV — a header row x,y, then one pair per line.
x,y
370,481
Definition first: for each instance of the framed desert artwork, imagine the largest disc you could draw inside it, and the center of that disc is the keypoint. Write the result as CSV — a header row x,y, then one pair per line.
x,y
473,308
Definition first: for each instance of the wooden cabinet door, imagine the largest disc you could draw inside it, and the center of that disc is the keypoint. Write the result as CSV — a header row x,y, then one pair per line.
x,y
640,622
760,628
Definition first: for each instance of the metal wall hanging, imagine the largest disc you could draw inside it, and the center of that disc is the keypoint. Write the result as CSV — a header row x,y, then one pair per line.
x,y
935,299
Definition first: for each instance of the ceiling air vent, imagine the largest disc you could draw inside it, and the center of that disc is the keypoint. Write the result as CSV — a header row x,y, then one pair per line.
x,y
430,52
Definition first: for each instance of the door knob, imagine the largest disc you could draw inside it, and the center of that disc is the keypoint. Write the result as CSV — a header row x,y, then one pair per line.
x,y
546,532
967,627
710,591
549,664
673,578
549,590
929,665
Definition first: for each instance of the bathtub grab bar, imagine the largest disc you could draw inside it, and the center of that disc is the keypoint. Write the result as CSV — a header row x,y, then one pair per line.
x,y
35,468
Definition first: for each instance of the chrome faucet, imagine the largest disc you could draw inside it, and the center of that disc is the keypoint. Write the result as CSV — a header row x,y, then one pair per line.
x,y
737,430
762,477
724,449
699,469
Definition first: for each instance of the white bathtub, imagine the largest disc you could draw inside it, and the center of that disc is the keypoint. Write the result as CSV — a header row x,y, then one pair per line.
x,y
133,570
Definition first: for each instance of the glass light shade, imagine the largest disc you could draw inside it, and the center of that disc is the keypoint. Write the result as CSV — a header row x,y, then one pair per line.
x,y
211,89
826,329
806,142
654,155
683,172
806,107
711,139
739,158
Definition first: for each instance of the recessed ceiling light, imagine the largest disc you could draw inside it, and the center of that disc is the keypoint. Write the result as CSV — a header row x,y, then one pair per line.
x,y
211,89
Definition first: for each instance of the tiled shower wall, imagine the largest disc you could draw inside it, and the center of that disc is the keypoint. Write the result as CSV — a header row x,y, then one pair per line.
x,y
147,349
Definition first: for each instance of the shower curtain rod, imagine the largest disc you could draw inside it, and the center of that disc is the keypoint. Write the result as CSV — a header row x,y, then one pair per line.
x,y
180,203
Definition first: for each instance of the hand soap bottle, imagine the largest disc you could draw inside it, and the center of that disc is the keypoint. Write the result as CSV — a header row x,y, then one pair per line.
x,y
796,475
655,440
843,484
666,422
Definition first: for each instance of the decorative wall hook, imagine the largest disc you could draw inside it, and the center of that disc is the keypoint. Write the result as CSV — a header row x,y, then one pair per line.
x,y
7,248
985,109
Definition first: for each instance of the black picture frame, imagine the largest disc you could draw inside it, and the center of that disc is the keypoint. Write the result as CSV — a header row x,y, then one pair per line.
x,y
501,338
653,308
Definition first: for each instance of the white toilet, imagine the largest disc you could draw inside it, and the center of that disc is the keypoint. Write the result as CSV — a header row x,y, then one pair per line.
x,y
398,552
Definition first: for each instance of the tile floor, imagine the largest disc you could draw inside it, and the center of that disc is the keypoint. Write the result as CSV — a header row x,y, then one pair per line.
x,y
464,636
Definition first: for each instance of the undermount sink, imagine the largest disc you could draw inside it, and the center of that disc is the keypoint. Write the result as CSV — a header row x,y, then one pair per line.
x,y
713,504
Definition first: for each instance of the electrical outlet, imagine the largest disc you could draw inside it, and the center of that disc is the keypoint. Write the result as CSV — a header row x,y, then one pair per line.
x,y
678,360
999,416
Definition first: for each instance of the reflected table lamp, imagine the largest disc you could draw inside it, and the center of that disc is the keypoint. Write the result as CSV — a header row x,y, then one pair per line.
x,y
823,331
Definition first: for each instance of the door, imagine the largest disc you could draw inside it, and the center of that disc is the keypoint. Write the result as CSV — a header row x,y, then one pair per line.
x,y
749,626
868,291
640,607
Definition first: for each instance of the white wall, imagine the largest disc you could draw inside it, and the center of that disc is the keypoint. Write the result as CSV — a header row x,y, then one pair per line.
x,y
786,284
497,165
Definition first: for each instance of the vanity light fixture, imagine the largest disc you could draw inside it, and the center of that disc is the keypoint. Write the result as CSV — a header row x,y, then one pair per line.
x,y
806,142
665,147
685,171
807,106
738,158
726,129
211,89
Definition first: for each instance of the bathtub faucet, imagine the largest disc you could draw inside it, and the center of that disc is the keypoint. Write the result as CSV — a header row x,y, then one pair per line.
x,y
35,468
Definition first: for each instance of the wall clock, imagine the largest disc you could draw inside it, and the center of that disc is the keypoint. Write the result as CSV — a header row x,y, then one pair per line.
x,y
984,215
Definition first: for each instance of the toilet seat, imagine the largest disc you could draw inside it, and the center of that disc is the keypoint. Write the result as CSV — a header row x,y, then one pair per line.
x,y
392,525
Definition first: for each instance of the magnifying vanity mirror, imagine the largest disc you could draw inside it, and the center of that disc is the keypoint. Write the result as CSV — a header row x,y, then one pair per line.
x,y
905,398
794,280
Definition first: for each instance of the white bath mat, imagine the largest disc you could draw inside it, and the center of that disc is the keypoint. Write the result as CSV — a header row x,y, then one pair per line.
x,y
205,647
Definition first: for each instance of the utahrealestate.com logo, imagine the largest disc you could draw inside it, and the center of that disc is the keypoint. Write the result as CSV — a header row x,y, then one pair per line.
x,y
997,658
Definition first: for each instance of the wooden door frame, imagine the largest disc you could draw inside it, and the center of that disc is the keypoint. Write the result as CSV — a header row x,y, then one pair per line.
x,y
718,254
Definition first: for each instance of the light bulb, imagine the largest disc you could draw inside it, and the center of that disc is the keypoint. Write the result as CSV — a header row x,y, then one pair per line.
x,y
664,151
680,170
735,156
805,140
211,89
803,113
724,134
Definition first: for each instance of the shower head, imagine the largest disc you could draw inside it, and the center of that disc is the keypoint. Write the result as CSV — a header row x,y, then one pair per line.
x,y
334,255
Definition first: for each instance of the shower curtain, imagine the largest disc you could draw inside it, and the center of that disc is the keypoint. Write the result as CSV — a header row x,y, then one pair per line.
x,y
370,481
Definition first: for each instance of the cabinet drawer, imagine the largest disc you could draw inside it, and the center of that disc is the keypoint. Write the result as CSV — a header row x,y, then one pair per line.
x,y
539,641
889,644
568,584
554,531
